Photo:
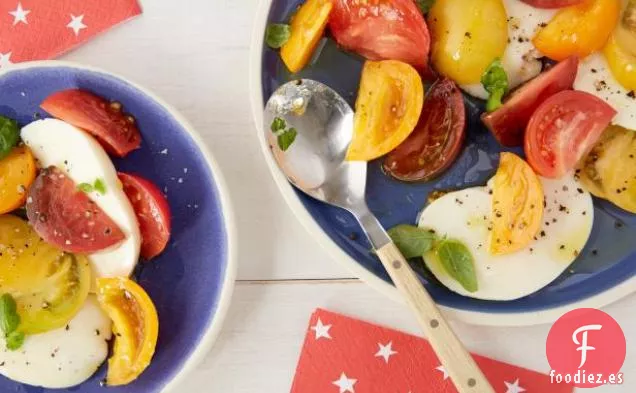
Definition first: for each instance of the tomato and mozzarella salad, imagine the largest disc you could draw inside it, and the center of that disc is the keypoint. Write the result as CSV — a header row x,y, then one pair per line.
x,y
557,79
72,230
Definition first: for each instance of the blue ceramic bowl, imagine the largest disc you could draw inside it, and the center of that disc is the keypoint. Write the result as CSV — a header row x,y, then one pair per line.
x,y
592,281
191,282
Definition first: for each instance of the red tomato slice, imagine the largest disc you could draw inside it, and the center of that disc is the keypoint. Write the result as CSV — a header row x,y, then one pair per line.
x,y
115,130
153,213
382,30
552,3
437,139
66,218
509,122
563,129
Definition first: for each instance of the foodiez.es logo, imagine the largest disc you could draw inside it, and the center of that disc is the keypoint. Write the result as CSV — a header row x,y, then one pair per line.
x,y
586,347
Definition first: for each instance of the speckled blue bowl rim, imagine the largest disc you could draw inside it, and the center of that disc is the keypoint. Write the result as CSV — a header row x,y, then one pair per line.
x,y
212,327
603,297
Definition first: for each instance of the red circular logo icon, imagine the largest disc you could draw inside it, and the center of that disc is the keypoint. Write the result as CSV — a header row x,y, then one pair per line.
x,y
586,347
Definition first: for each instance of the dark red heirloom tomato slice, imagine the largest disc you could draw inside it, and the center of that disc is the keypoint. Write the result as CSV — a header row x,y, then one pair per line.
x,y
153,213
552,3
563,129
115,130
509,122
382,30
65,216
437,139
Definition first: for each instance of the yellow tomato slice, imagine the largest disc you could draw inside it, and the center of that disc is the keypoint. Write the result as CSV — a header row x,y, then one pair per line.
x,y
17,172
388,107
50,287
517,205
467,36
578,30
307,28
135,326
621,63
609,169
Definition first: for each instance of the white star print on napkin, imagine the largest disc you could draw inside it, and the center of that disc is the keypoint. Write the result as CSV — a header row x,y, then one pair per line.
x,y
385,351
345,384
443,370
5,60
514,387
20,15
76,24
321,330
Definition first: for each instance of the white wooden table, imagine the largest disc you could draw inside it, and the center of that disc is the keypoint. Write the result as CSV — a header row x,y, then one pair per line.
x,y
195,55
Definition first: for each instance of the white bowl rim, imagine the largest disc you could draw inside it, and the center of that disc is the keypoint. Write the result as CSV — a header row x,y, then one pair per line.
x,y
213,329
548,315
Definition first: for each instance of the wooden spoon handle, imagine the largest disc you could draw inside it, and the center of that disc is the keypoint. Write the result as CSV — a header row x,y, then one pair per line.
x,y
459,364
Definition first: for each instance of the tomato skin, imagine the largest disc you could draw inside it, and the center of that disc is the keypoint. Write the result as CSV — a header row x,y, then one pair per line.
x,y
307,28
66,218
389,104
579,30
509,122
152,211
517,205
370,29
17,172
437,139
552,3
563,129
115,131
135,324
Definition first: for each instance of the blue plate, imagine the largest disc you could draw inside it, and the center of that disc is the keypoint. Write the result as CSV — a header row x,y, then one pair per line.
x,y
189,283
595,279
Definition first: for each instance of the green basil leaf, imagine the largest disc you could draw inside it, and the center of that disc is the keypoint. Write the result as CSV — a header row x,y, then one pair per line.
x,y
9,318
278,124
425,5
287,138
100,186
412,241
9,135
15,341
458,262
495,81
277,34
85,187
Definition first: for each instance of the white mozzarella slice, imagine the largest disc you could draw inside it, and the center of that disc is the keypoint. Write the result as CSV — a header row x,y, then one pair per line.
x,y
465,216
54,142
64,357
595,77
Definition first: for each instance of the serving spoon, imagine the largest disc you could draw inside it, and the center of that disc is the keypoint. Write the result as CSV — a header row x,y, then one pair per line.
x,y
314,162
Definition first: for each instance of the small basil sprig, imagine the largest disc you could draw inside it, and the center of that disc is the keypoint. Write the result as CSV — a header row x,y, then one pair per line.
x,y
10,321
425,5
98,185
277,34
412,241
453,255
495,81
458,262
9,135
285,136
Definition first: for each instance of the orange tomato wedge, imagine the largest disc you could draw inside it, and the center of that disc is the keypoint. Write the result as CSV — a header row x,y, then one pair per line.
x,y
307,28
578,30
17,173
135,327
389,104
517,205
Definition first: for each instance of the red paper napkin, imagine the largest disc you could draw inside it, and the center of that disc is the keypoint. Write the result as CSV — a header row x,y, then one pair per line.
x,y
345,355
44,29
